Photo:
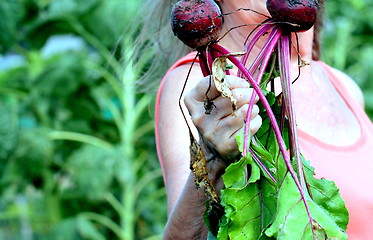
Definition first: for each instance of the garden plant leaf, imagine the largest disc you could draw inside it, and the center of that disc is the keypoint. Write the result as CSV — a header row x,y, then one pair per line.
x,y
256,207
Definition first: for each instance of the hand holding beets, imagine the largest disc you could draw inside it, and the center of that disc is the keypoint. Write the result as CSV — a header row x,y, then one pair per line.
x,y
220,128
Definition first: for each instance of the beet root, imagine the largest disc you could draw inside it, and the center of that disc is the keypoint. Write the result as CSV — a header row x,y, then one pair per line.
x,y
294,15
197,23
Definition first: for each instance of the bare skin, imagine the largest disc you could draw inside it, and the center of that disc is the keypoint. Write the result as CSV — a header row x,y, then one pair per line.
x,y
181,193
185,203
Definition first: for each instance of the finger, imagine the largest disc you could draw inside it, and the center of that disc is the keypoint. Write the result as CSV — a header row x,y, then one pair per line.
x,y
240,90
255,119
206,87
222,106
232,123
254,111
255,124
222,133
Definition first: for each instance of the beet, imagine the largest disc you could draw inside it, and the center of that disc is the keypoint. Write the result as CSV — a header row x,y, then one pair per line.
x,y
294,15
196,23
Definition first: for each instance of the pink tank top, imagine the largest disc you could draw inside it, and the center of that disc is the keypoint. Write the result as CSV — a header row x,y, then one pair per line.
x,y
350,167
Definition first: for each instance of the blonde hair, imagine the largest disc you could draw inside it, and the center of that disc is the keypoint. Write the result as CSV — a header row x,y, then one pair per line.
x,y
156,47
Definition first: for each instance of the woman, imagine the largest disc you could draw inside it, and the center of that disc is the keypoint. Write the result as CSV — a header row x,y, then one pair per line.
x,y
335,133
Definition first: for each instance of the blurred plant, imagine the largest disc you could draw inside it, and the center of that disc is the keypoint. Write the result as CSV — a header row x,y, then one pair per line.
x,y
348,42
76,146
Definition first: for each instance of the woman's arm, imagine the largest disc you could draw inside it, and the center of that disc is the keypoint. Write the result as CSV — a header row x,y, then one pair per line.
x,y
186,219
185,203
218,129
173,132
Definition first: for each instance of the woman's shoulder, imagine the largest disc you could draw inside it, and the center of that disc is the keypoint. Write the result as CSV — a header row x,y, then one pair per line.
x,y
346,82
184,72
349,84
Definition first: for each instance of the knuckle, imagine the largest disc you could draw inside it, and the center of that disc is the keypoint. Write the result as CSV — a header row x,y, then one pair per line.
x,y
210,137
188,99
255,110
198,120
256,98
256,124
240,82
229,147
243,109
241,113
233,121
238,93
205,83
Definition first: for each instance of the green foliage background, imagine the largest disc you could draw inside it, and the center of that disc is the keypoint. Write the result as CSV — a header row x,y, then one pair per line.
x,y
77,147
348,42
77,151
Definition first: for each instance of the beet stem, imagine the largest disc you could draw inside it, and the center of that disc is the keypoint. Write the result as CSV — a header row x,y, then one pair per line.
x,y
262,166
284,63
203,62
265,54
258,34
273,122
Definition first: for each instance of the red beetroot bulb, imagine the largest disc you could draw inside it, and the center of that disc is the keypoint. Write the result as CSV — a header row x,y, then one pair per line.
x,y
196,22
295,15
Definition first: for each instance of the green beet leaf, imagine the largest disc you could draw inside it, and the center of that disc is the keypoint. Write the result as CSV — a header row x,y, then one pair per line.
x,y
261,200
256,207
242,213
292,222
326,195
235,174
